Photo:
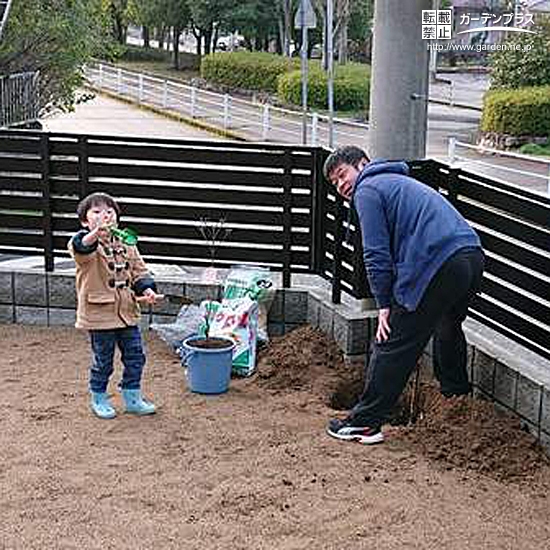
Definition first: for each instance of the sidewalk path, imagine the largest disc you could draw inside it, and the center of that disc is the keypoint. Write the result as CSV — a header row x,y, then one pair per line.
x,y
104,115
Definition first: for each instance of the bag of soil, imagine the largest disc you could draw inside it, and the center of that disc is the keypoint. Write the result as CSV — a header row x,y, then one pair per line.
x,y
236,319
255,283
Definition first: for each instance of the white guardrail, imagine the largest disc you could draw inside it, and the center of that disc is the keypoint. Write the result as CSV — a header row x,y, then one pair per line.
x,y
512,175
19,98
253,120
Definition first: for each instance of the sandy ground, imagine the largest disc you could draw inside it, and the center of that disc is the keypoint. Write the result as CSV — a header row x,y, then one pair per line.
x,y
252,468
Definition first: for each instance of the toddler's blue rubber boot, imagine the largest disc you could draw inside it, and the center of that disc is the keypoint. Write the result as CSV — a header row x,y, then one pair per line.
x,y
135,404
101,405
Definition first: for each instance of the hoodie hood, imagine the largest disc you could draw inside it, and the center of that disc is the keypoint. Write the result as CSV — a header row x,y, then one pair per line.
x,y
373,168
381,166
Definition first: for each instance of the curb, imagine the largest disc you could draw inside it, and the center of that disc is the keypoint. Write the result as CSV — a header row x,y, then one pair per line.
x,y
169,114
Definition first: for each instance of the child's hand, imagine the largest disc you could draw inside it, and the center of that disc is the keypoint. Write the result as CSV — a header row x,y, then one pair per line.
x,y
100,228
150,297
102,225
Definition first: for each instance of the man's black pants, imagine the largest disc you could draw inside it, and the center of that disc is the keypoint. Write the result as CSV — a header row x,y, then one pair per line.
x,y
440,314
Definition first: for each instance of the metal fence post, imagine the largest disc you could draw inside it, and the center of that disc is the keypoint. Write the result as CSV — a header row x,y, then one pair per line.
x,y
165,95
226,114
315,130
548,188
119,81
452,94
451,150
265,122
100,76
337,256
46,202
140,89
287,217
83,166
318,209
193,101
36,95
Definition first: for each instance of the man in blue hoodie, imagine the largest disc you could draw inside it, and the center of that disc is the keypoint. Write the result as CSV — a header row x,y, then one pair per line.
x,y
424,265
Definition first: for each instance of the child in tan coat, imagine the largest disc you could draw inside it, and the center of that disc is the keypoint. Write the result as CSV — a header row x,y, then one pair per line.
x,y
111,277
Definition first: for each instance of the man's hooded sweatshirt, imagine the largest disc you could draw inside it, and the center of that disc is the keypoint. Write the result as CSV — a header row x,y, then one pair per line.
x,y
408,232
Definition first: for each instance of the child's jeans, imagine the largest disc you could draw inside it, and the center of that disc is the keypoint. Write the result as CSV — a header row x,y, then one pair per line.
x,y
129,343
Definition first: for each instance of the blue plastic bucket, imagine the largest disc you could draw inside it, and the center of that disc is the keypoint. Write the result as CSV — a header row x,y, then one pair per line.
x,y
208,369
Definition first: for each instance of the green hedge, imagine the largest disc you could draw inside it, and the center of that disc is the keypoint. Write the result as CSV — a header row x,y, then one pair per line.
x,y
139,53
521,112
247,70
351,87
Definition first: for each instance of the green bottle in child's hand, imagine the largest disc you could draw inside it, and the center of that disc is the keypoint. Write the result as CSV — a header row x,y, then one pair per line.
x,y
127,236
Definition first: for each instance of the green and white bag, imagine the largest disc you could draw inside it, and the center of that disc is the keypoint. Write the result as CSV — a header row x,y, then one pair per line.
x,y
236,319
255,283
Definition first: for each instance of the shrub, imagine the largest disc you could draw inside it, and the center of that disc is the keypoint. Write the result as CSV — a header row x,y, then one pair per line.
x,y
528,65
523,112
139,53
351,87
251,71
534,149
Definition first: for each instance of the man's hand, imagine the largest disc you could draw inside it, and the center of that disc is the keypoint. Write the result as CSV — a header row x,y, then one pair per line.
x,y
383,330
150,297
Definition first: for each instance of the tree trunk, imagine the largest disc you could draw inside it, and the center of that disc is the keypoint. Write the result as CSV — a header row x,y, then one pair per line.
x,y
281,36
343,33
343,44
215,40
176,46
324,60
198,36
208,39
146,37
120,31
286,27
279,45
160,37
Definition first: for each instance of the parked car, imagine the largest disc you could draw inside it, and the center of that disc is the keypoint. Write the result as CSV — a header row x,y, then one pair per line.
x,y
316,51
230,42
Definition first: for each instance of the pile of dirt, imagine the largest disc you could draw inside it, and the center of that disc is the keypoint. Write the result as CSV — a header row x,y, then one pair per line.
x,y
471,433
306,360
463,432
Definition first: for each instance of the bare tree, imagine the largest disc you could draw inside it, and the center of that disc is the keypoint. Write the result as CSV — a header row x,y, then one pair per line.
x,y
284,8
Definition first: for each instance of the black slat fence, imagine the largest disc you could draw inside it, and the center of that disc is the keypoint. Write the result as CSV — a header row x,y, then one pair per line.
x,y
281,212
514,227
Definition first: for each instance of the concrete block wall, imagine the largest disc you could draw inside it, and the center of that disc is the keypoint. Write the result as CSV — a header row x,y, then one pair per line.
x,y
514,378
37,298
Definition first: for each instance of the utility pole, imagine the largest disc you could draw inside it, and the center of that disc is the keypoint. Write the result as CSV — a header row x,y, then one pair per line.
x,y
399,87
433,52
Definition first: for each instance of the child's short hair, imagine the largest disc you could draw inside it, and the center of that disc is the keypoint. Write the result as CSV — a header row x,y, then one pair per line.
x,y
96,199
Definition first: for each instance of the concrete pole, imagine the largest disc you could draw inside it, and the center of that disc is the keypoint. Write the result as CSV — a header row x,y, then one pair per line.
x,y
433,52
398,123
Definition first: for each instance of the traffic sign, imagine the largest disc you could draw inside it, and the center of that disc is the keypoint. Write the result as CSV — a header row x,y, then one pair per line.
x,y
309,20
